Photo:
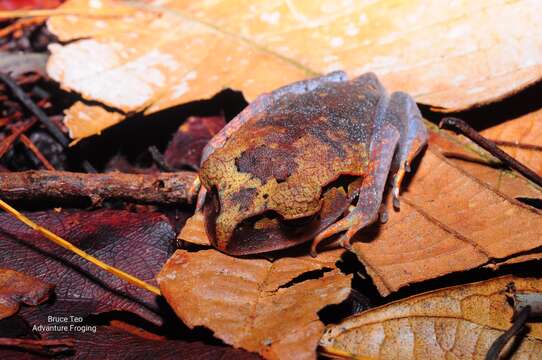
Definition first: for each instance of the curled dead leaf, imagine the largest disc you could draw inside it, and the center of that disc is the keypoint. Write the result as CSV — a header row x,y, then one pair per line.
x,y
193,230
459,322
254,304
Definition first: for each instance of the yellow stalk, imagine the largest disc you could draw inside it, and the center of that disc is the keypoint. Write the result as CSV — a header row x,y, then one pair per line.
x,y
69,246
60,12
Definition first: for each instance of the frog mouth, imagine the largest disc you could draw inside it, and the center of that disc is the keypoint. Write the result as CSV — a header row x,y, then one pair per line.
x,y
269,231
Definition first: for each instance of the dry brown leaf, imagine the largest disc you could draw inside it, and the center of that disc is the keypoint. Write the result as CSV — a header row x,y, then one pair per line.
x,y
451,55
193,230
525,130
18,288
455,323
253,303
448,222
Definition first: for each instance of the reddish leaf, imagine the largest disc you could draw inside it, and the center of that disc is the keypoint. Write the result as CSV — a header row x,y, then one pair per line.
x,y
29,4
187,144
17,288
110,343
136,243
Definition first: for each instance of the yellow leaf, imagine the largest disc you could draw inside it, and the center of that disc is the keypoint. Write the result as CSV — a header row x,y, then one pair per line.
x,y
455,323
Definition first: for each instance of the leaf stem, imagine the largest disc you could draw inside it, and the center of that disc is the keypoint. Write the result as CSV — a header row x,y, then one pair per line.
x,y
70,247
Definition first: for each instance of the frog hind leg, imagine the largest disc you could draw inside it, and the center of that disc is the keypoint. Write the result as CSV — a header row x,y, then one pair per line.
x,y
398,138
403,113
383,145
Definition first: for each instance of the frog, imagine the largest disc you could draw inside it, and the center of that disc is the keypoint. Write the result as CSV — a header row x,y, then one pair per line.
x,y
309,160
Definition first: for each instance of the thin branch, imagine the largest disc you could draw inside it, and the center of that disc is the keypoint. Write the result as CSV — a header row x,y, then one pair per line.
x,y
465,129
41,346
159,159
59,136
63,186
34,109
518,326
10,139
30,145
518,145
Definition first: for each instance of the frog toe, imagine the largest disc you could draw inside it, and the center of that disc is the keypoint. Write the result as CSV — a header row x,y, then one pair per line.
x,y
338,227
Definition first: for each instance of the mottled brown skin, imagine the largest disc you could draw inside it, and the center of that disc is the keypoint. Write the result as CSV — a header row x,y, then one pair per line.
x,y
288,167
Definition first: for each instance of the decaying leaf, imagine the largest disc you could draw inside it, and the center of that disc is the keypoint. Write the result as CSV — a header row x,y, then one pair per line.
x,y
450,55
137,243
105,341
187,144
17,288
448,222
526,133
253,304
455,323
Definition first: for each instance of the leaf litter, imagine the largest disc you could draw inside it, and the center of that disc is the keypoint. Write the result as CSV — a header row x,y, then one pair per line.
x,y
457,242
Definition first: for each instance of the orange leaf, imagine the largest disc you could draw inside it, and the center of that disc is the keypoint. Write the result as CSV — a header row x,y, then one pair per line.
x,y
450,55
448,222
18,288
479,164
251,303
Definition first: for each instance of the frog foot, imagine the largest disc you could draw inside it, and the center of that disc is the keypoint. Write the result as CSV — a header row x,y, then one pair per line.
x,y
397,181
352,223
196,190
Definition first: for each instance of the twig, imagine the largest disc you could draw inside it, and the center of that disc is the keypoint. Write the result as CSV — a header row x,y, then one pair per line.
x,y
70,247
30,145
518,325
10,139
34,109
42,346
162,188
465,129
158,158
19,93
518,145
19,24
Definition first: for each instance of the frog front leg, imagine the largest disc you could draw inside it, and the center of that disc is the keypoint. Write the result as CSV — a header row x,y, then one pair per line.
x,y
397,138
404,114
381,153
